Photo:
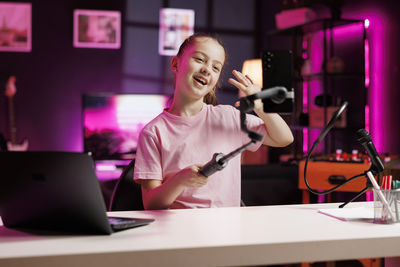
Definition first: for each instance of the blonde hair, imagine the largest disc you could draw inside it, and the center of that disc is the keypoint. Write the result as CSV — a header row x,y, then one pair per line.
x,y
211,97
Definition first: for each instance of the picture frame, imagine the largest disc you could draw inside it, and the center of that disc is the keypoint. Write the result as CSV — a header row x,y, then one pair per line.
x,y
97,29
15,27
175,25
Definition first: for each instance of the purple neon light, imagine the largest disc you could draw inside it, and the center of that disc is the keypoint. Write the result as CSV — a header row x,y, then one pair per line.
x,y
366,60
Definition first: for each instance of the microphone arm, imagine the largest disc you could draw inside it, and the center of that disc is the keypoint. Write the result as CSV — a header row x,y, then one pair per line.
x,y
219,160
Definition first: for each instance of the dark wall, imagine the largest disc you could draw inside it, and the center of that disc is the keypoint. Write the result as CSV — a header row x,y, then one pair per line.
x,y
53,76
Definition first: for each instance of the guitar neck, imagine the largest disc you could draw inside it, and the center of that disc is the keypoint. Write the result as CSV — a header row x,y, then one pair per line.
x,y
11,121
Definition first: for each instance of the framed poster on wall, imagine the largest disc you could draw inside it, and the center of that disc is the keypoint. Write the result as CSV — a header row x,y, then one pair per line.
x,y
15,27
175,26
97,29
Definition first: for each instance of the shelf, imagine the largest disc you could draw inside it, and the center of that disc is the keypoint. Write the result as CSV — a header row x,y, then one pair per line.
x,y
316,76
314,26
301,127
345,84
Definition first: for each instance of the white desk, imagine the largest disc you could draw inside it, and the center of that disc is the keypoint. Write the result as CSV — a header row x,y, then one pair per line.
x,y
211,237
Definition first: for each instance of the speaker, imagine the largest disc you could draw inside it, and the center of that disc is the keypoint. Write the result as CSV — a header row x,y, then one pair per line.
x,y
278,71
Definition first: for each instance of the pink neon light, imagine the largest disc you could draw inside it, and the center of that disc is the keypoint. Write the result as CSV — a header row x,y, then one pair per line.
x,y
378,83
367,123
133,112
305,110
366,23
105,167
305,47
367,66
305,140
305,97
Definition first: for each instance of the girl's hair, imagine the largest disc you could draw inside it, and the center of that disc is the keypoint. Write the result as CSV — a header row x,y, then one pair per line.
x,y
209,98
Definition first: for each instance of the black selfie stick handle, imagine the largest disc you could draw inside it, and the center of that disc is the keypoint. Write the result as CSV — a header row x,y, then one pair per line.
x,y
219,160
214,165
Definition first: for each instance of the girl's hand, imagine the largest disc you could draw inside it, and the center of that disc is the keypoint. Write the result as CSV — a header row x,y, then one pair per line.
x,y
246,86
190,177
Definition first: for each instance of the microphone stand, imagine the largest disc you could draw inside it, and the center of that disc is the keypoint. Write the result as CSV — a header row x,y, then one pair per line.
x,y
367,187
376,164
219,160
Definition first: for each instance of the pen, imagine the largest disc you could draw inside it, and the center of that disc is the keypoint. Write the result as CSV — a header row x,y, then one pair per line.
x,y
386,187
395,186
379,192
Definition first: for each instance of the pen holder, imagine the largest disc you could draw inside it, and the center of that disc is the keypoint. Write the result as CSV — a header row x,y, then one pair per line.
x,y
381,214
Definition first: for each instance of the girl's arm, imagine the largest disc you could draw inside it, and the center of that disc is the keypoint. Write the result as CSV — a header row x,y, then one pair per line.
x,y
278,132
160,195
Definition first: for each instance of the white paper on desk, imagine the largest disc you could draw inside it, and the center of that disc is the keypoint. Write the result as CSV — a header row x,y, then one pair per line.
x,y
346,214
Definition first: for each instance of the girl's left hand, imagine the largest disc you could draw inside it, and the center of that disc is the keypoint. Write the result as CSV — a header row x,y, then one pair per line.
x,y
246,86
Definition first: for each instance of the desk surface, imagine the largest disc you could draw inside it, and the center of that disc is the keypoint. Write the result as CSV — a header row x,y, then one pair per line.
x,y
211,237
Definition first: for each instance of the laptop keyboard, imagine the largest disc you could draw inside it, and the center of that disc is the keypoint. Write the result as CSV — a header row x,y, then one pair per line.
x,y
121,223
118,223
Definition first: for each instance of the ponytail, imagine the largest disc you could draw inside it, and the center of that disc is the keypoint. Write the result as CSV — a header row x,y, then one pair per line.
x,y
211,98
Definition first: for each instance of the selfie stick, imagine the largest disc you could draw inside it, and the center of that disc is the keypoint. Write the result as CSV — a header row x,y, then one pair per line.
x,y
219,160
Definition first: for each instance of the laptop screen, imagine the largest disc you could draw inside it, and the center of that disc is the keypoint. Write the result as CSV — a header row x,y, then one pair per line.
x,y
51,191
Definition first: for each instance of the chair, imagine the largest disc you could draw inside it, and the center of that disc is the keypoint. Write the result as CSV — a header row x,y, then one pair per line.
x,y
127,194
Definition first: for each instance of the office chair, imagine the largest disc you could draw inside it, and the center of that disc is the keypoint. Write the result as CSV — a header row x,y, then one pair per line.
x,y
127,194
3,143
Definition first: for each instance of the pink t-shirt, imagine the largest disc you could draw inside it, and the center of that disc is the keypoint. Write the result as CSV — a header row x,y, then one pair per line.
x,y
170,143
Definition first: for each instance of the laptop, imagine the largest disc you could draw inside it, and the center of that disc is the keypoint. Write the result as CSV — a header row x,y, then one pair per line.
x,y
57,192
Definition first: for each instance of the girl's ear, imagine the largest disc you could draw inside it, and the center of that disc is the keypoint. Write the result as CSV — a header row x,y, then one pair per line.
x,y
174,64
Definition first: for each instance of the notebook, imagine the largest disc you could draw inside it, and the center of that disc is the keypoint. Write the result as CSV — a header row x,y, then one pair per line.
x,y
57,192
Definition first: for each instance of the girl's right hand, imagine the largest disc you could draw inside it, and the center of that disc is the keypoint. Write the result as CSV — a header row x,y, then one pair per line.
x,y
190,177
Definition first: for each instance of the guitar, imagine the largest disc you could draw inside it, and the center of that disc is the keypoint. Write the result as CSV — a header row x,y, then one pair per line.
x,y
10,92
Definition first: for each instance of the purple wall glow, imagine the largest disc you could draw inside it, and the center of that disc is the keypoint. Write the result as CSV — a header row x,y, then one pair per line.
x,y
382,70
382,81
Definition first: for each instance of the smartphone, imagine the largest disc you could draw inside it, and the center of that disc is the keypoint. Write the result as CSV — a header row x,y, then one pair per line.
x,y
278,71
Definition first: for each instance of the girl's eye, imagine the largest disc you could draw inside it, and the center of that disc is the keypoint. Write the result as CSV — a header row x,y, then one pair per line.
x,y
216,68
199,59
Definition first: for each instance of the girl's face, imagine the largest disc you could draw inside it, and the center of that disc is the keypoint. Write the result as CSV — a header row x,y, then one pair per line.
x,y
198,69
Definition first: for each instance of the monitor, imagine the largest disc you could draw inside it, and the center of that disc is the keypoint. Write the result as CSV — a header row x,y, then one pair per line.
x,y
112,122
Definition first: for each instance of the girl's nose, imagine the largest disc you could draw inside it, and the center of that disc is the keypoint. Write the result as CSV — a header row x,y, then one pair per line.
x,y
205,69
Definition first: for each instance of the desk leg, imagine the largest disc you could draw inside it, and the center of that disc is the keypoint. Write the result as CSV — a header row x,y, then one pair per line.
x,y
306,197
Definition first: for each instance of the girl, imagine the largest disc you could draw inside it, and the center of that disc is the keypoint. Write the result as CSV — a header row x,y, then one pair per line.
x,y
174,146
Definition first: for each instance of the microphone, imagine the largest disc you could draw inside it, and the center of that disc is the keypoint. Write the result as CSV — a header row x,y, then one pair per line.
x,y
277,95
364,138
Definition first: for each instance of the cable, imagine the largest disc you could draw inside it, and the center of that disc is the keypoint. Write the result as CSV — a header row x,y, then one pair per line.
x,y
333,188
